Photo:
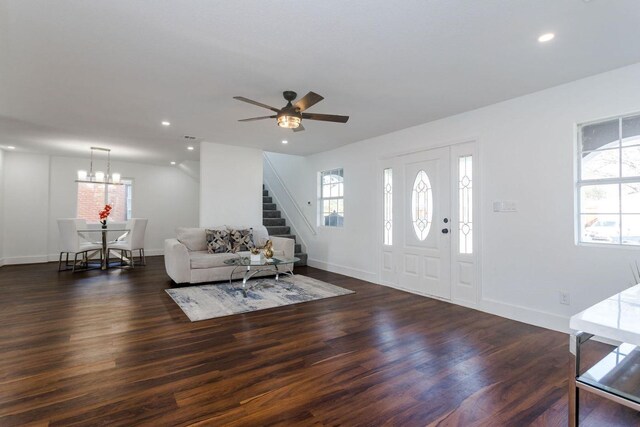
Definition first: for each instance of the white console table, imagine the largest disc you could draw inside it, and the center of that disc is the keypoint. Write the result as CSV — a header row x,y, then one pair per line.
x,y
617,375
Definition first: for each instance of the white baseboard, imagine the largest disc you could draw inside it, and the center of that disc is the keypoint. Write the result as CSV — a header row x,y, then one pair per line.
x,y
544,319
1,262
341,269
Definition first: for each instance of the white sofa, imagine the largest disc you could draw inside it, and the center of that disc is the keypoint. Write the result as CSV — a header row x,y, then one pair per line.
x,y
187,260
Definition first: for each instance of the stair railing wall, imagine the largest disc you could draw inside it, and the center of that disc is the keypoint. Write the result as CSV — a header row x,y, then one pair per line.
x,y
277,188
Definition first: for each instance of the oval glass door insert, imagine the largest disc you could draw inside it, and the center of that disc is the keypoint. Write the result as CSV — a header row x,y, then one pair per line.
x,y
421,205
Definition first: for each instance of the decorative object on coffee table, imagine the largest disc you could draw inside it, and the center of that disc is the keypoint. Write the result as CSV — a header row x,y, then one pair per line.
x,y
268,249
256,255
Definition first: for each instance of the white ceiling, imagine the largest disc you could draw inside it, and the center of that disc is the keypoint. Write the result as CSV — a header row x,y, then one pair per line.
x,y
80,73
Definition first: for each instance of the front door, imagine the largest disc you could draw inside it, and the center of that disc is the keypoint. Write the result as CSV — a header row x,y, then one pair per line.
x,y
424,251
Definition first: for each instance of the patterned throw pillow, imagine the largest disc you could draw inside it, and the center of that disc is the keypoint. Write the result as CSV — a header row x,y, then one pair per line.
x,y
218,241
241,240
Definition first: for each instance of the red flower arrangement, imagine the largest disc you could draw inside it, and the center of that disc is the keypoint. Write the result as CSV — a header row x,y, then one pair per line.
x,y
104,214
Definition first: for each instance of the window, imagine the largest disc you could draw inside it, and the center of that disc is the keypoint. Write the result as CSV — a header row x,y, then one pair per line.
x,y
93,197
387,201
465,204
421,205
332,198
608,185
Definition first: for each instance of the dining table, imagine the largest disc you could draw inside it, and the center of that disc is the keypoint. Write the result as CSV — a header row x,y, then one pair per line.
x,y
104,262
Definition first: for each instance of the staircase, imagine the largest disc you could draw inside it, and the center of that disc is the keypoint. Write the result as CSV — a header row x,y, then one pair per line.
x,y
277,226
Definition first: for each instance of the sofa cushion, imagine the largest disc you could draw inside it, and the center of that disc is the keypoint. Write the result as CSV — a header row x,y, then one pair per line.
x,y
241,240
203,259
260,236
218,241
195,239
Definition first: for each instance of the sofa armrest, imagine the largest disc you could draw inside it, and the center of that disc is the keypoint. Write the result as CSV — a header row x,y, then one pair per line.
x,y
176,261
284,244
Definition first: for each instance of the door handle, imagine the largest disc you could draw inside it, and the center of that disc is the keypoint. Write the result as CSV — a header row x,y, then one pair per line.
x,y
445,230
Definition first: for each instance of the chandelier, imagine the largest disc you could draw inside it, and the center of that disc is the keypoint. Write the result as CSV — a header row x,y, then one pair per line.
x,y
99,177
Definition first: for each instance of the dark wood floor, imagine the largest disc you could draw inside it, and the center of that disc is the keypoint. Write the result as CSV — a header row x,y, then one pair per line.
x,y
113,349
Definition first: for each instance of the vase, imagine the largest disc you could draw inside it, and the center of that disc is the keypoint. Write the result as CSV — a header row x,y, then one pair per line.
x,y
104,225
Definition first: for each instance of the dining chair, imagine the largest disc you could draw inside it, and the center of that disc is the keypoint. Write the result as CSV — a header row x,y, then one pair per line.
x,y
133,240
71,243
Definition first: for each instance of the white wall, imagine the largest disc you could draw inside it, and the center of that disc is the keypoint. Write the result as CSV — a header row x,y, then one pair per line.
x,y
26,202
526,154
1,207
42,188
231,185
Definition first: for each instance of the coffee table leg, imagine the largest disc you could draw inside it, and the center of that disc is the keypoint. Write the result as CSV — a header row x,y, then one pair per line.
x,y
232,273
287,273
248,275
245,277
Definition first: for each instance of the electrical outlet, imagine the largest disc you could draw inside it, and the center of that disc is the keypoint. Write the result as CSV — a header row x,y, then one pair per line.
x,y
564,298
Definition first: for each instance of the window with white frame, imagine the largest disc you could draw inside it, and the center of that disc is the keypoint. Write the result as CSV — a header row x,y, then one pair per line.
x,y
331,198
92,197
608,184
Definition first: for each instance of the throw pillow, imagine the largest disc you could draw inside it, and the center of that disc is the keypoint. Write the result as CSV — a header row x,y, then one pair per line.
x,y
218,241
241,240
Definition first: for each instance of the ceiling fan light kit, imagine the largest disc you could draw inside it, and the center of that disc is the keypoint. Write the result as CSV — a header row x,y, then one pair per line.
x,y
291,115
291,122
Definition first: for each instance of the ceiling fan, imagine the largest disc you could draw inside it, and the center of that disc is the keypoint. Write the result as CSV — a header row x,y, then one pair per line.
x,y
291,115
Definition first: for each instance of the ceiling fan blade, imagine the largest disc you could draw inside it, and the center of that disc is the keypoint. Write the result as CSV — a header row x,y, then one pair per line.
x,y
298,129
308,100
257,118
259,104
325,117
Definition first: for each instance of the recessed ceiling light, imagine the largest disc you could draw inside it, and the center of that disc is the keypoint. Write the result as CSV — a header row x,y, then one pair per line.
x,y
284,141
191,148
173,163
11,147
165,123
546,37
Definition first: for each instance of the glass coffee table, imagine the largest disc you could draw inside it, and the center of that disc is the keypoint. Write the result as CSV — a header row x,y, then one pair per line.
x,y
254,267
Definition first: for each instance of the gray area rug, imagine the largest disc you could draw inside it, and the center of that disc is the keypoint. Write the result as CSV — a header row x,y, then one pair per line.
x,y
209,301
